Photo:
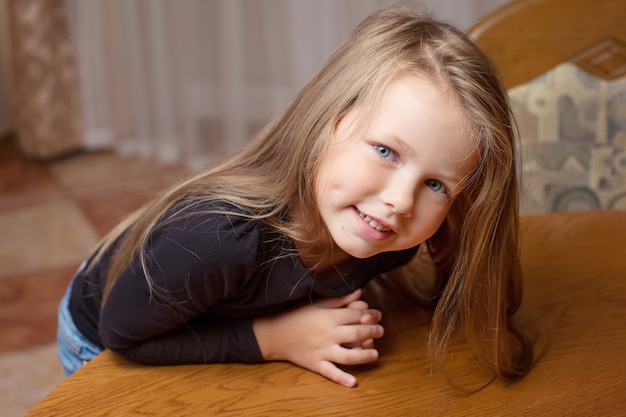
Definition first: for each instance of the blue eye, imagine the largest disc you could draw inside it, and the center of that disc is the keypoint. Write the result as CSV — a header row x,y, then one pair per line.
x,y
435,185
385,152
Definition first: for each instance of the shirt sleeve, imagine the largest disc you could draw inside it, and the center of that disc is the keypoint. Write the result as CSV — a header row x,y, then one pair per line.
x,y
193,262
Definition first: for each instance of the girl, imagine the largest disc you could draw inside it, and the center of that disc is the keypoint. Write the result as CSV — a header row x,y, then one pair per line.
x,y
404,138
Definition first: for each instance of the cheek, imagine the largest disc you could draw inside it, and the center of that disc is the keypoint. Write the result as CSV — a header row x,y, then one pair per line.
x,y
429,219
347,175
325,175
439,221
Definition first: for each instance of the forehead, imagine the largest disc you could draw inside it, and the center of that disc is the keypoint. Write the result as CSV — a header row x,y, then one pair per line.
x,y
422,120
364,109
410,97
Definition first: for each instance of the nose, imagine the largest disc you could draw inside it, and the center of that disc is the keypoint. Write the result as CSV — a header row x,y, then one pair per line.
x,y
400,196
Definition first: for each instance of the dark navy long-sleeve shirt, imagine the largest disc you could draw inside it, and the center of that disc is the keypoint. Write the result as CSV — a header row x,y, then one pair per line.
x,y
211,274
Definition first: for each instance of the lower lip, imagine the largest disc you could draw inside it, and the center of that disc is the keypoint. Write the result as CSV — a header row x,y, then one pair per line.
x,y
369,231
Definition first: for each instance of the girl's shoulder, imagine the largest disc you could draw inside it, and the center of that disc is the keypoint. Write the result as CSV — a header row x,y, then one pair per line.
x,y
211,234
202,216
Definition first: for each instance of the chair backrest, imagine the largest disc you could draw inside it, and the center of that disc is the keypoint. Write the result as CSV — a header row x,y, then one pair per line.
x,y
564,63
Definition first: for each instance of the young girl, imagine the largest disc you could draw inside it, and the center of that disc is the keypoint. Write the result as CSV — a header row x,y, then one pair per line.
x,y
404,138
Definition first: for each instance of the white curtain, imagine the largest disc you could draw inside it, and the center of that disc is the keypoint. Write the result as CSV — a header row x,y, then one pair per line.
x,y
188,81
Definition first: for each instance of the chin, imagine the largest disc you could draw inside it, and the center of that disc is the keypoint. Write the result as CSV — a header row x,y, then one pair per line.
x,y
361,254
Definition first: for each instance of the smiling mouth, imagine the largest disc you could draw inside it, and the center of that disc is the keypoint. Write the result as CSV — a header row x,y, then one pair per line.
x,y
374,224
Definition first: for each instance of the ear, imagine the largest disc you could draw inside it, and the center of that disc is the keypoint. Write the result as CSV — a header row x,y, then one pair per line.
x,y
349,123
348,108
337,122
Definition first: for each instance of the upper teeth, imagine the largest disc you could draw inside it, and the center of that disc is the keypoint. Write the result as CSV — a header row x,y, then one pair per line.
x,y
374,223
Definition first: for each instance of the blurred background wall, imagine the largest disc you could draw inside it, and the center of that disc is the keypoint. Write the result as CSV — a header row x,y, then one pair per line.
x,y
6,113
183,82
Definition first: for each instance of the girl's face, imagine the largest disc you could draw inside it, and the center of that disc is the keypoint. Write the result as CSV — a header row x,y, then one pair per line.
x,y
390,186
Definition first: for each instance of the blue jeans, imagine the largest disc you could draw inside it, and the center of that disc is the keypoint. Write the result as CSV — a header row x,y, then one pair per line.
x,y
74,348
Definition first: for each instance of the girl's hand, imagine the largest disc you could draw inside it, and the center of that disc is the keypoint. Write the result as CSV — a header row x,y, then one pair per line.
x,y
317,336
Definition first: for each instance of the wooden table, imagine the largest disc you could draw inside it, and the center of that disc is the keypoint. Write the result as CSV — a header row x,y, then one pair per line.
x,y
575,270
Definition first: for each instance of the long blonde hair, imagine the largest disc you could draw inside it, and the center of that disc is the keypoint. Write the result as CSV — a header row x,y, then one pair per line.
x,y
476,248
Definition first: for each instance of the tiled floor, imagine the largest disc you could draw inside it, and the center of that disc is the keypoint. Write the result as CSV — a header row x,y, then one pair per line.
x,y
51,215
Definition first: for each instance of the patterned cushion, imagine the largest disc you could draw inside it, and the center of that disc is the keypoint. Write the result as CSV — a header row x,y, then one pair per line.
x,y
573,130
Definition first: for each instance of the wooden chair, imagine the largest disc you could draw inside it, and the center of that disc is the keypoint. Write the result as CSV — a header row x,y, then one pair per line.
x,y
564,63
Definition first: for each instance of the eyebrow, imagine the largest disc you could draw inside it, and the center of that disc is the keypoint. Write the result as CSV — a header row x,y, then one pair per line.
x,y
401,144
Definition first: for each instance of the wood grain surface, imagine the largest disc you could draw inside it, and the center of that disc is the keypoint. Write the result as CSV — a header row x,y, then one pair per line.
x,y
575,296
525,38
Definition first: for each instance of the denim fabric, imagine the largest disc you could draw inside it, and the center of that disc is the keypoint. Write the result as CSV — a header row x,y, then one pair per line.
x,y
74,348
